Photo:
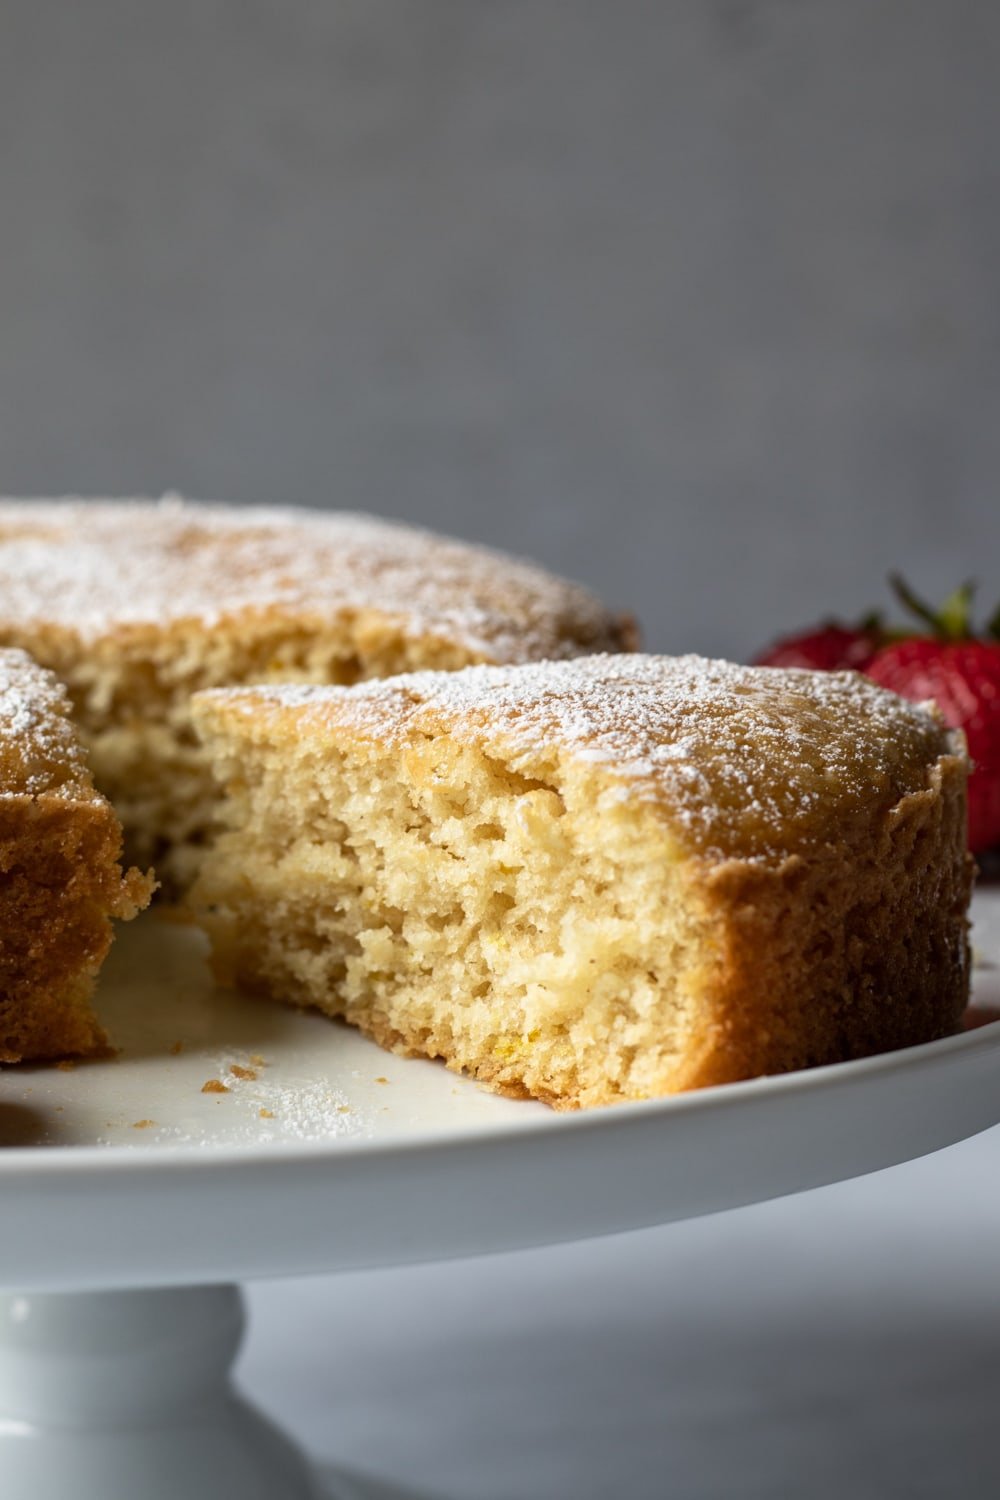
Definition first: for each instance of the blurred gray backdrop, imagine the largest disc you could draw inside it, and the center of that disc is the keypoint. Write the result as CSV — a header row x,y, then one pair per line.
x,y
697,300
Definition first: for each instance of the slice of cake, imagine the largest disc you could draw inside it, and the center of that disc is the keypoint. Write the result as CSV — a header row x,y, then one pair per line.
x,y
597,880
136,605
60,879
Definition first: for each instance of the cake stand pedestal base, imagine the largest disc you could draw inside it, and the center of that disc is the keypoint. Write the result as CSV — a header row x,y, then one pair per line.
x,y
127,1396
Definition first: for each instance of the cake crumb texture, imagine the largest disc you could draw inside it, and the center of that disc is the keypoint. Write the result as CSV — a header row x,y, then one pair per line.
x,y
596,880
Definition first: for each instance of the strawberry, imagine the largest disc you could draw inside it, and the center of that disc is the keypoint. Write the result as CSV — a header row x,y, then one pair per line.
x,y
963,678
830,647
944,660
961,673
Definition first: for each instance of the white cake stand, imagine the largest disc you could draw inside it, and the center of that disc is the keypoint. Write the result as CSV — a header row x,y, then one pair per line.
x,y
133,1200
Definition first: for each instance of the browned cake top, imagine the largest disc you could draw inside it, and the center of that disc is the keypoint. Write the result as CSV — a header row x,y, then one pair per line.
x,y
39,749
746,761
94,567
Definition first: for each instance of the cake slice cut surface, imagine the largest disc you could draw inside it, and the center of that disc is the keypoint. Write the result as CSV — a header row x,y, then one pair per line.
x,y
61,882
598,880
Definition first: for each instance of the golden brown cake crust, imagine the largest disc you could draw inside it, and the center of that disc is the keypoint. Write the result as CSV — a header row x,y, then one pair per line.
x,y
97,569
844,952
60,877
739,871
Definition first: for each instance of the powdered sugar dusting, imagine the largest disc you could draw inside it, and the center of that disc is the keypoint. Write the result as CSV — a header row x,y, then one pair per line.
x,y
95,567
753,759
291,1108
39,750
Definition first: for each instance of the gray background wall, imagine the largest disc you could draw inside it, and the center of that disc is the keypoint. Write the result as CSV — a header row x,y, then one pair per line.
x,y
698,300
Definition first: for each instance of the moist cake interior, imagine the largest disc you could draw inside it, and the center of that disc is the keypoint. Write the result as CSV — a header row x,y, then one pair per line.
x,y
453,907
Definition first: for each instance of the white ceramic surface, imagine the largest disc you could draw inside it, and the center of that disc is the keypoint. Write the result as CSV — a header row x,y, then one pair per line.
x,y
338,1155
126,1396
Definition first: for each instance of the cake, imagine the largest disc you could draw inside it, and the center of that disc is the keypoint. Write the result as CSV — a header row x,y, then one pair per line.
x,y
136,605
596,880
61,882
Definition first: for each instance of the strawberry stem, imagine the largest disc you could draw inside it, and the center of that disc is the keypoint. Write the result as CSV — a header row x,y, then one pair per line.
x,y
952,622
911,601
955,613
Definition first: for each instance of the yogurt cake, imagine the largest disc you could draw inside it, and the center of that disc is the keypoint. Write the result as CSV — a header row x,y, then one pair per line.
x,y
60,878
597,880
136,605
